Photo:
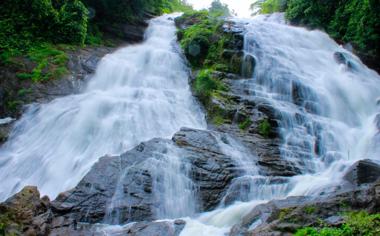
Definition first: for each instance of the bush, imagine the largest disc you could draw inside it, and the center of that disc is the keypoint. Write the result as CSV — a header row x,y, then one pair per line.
x,y
271,6
265,128
72,26
356,223
205,85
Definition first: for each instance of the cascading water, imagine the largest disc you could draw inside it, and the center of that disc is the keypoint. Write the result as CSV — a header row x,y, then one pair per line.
x,y
327,110
324,98
138,93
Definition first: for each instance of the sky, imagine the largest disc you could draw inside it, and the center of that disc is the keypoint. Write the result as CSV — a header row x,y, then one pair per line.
x,y
241,7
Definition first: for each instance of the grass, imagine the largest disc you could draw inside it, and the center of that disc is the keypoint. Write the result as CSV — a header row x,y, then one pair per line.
x,y
50,63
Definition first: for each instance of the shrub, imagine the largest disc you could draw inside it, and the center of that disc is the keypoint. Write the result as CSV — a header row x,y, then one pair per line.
x,y
72,25
265,128
356,223
205,85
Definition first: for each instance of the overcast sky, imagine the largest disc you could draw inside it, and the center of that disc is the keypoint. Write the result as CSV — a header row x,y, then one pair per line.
x,y
241,7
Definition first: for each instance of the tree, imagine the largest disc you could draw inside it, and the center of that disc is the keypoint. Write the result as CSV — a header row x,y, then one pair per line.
x,y
219,9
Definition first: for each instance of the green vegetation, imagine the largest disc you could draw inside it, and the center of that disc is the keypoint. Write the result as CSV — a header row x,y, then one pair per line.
x,y
204,43
219,9
110,15
205,85
350,21
310,209
245,124
33,28
354,21
50,63
265,128
269,6
356,223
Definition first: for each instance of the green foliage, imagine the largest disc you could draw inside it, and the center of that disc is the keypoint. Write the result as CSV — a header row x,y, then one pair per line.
x,y
310,209
265,128
219,119
109,13
354,21
219,9
269,6
72,25
205,85
245,124
284,212
356,223
24,23
204,43
197,39
50,63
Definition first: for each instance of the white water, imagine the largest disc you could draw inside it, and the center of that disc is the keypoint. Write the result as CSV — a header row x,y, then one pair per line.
x,y
327,138
138,93
327,123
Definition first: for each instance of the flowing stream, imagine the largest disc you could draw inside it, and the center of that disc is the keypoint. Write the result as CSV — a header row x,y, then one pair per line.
x,y
328,113
138,93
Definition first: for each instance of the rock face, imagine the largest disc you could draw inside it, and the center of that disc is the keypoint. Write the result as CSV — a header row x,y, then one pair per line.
x,y
283,217
363,172
15,94
211,171
26,214
81,63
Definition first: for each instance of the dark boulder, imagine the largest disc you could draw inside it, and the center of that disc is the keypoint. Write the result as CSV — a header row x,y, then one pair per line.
x,y
249,64
342,58
363,172
128,180
144,228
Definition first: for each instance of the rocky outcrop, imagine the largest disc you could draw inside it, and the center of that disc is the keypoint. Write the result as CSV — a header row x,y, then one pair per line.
x,y
363,172
15,94
120,189
284,217
26,213
161,228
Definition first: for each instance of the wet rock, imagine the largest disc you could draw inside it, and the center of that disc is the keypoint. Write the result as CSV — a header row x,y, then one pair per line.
x,y
212,171
283,217
88,201
363,172
247,188
5,128
155,228
377,122
133,172
134,32
249,64
341,58
26,214
90,64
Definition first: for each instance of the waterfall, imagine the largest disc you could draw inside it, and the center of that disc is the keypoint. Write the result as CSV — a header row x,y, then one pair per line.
x,y
325,100
137,93
327,105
